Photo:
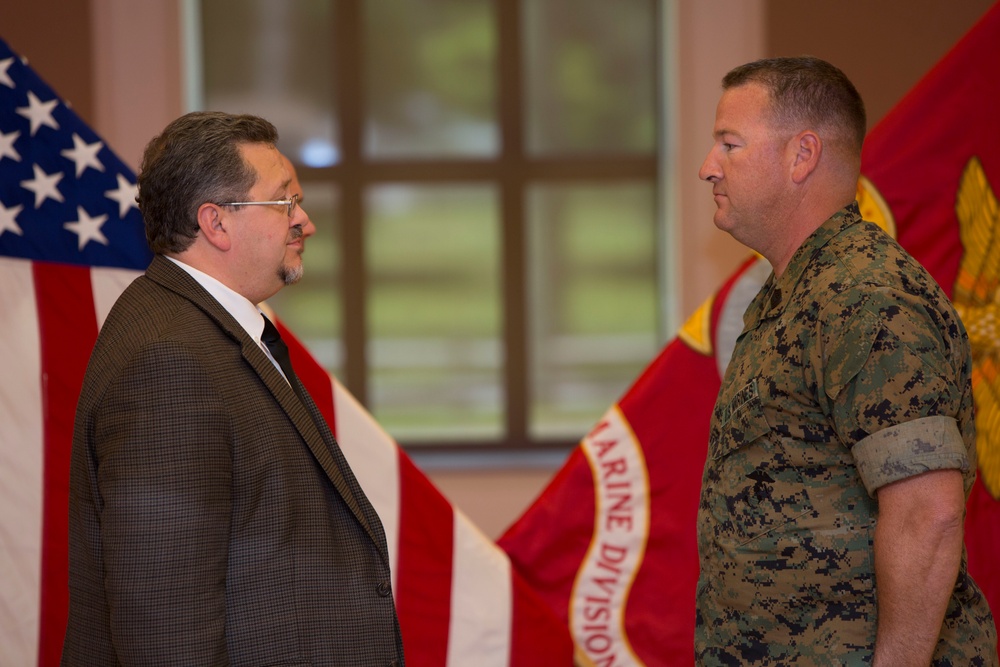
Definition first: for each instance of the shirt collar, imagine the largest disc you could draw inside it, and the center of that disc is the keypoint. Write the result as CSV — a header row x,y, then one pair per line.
x,y
247,314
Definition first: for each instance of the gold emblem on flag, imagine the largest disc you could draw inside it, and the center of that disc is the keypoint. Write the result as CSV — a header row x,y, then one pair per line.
x,y
696,332
873,207
976,297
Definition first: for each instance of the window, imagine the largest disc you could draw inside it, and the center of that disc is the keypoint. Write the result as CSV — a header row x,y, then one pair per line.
x,y
483,177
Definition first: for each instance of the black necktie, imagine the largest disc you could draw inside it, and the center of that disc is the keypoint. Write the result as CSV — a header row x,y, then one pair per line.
x,y
279,351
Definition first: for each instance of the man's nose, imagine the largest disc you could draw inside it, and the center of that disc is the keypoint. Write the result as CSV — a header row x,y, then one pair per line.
x,y
308,228
709,168
301,218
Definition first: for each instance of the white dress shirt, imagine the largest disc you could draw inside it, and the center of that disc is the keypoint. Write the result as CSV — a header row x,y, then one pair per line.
x,y
249,315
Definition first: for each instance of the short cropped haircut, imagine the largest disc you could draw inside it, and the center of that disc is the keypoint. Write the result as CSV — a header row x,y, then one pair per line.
x,y
196,159
807,91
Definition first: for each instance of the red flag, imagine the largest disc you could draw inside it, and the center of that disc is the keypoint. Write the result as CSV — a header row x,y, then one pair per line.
x,y
935,164
928,172
610,543
71,240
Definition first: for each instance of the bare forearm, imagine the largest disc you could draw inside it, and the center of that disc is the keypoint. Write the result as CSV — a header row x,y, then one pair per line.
x,y
918,552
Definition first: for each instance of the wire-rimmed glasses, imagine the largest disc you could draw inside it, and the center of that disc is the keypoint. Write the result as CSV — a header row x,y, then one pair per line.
x,y
289,204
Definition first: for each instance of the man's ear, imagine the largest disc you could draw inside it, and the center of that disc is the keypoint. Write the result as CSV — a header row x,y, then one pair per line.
x,y
214,225
806,147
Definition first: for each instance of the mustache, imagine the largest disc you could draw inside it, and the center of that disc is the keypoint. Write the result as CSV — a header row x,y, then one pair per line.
x,y
296,232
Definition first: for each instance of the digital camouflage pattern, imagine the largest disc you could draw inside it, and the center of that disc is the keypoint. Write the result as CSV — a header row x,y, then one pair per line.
x,y
853,371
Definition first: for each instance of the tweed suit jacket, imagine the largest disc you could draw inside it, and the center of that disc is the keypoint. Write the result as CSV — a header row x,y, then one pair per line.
x,y
213,517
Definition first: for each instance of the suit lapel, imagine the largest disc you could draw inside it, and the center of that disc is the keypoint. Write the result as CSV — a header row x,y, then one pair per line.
x,y
314,430
306,418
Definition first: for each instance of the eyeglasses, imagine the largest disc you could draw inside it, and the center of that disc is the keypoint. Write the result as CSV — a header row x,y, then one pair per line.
x,y
289,204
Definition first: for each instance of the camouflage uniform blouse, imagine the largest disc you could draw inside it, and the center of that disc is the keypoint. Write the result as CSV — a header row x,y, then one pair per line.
x,y
852,371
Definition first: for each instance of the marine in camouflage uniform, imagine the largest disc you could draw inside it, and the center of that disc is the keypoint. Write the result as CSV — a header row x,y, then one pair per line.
x,y
853,371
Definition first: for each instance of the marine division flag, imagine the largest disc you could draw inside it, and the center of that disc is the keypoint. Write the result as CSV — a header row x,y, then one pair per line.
x,y
71,239
611,542
933,167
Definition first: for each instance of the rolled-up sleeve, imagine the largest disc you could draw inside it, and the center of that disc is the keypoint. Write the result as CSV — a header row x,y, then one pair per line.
x,y
910,448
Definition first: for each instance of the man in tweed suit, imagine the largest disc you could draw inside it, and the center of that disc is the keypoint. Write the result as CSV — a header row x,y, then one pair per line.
x,y
213,518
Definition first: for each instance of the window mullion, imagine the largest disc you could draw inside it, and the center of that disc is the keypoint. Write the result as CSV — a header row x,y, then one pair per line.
x,y
353,283
512,184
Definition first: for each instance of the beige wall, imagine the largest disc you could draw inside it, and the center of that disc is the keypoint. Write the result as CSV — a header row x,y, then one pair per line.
x,y
731,32
124,75
59,51
137,71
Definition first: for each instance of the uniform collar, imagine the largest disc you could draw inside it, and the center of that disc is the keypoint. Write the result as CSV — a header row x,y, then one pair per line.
x,y
776,292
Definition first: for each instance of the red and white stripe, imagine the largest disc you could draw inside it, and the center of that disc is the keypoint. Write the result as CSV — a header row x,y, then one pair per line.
x,y
458,599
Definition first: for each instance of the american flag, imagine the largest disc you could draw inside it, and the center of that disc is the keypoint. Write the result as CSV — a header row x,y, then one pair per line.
x,y
71,239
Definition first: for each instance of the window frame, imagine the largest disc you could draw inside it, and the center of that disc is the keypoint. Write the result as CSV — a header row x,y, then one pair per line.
x,y
512,171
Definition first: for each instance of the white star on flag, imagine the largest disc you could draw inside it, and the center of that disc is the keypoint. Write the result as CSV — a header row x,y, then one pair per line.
x,y
124,195
39,113
84,154
87,228
7,146
7,221
43,185
4,76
